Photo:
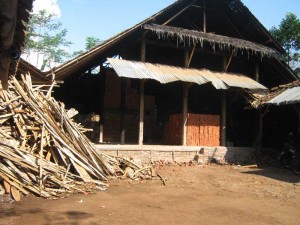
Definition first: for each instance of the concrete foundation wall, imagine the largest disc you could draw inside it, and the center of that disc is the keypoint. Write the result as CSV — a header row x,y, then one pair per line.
x,y
152,153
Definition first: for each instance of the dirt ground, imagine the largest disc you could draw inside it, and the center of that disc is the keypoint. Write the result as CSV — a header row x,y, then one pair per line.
x,y
193,195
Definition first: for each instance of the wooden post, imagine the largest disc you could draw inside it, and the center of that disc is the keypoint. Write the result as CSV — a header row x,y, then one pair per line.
x,y
142,100
260,116
256,72
185,97
223,110
143,51
204,17
123,105
260,129
141,130
223,118
102,93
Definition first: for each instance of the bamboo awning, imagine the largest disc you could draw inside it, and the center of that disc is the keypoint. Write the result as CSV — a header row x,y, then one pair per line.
x,y
193,37
167,74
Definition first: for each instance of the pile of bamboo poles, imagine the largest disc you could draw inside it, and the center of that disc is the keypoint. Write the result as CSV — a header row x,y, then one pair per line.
x,y
43,152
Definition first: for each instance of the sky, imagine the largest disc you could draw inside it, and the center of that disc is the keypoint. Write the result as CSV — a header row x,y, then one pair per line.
x,y
103,19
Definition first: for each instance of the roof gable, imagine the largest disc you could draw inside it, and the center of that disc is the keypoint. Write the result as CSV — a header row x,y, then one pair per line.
x,y
224,17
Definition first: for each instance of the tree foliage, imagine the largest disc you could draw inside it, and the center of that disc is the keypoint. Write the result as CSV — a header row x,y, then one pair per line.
x,y
90,42
288,35
46,39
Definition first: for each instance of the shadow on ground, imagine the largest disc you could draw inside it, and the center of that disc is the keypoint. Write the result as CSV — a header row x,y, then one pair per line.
x,y
39,216
276,173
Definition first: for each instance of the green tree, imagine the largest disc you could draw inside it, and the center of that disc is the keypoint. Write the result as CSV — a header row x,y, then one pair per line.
x,y
91,42
288,35
46,39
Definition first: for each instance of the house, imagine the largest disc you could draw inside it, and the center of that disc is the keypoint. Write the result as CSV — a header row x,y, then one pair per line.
x,y
180,77
14,15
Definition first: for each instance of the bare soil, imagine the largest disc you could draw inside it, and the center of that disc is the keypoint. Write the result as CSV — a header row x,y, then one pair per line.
x,y
193,195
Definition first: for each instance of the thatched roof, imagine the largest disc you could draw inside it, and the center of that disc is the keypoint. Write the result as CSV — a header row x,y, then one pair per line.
x,y
243,22
193,37
14,15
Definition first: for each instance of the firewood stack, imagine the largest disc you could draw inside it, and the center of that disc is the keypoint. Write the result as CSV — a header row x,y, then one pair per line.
x,y
43,152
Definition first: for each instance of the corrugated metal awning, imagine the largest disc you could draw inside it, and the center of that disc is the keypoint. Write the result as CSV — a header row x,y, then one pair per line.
x,y
289,96
167,74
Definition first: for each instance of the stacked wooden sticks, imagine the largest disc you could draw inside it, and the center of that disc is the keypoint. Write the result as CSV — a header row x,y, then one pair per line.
x,y
43,152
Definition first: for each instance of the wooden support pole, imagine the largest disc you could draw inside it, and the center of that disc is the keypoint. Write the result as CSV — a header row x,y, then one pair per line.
x,y
102,111
142,100
260,116
229,61
141,126
256,71
223,118
143,51
260,131
223,111
185,97
101,133
123,105
297,108
204,17
191,56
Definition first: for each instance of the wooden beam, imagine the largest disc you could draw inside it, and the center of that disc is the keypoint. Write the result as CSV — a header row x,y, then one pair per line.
x,y
229,61
180,12
191,56
123,105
